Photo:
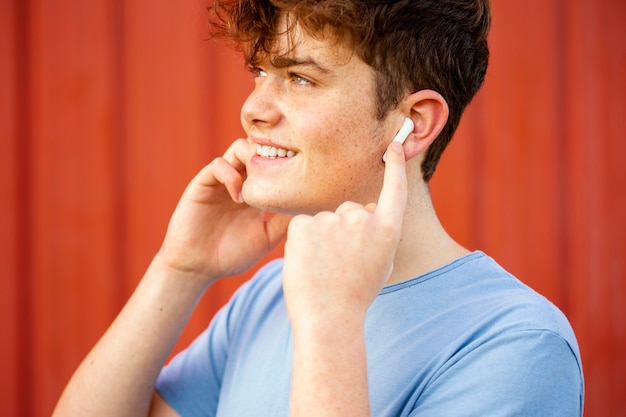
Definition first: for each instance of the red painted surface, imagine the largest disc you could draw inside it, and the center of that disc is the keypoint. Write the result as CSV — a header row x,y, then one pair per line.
x,y
109,107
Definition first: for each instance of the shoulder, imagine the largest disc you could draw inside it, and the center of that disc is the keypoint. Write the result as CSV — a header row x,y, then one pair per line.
x,y
476,333
498,303
513,305
518,346
529,372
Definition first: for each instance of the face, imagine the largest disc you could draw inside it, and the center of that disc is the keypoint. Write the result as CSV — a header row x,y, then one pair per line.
x,y
311,123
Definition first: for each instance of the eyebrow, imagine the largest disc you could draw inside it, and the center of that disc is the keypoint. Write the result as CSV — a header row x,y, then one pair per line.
x,y
284,61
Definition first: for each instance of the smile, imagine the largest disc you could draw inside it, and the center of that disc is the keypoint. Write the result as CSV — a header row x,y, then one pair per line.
x,y
266,151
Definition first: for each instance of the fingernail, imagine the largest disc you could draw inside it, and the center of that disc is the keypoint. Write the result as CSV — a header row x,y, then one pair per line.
x,y
396,147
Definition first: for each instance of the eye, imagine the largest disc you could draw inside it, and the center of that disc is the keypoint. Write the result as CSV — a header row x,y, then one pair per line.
x,y
257,71
299,80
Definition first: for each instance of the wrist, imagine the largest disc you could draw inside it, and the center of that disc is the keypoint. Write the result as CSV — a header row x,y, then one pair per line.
x,y
186,280
328,328
175,268
330,368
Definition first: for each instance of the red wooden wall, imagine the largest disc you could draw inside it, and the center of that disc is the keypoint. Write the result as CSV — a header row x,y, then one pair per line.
x,y
109,107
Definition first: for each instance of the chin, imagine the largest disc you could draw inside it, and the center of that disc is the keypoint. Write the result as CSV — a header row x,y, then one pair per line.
x,y
262,198
269,199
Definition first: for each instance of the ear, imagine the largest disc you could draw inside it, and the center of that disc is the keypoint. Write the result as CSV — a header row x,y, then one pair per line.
x,y
429,112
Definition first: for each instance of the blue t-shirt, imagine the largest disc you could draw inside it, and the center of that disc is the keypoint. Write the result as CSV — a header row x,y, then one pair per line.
x,y
467,339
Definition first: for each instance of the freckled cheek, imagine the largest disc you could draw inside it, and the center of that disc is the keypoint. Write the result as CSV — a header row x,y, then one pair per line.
x,y
349,150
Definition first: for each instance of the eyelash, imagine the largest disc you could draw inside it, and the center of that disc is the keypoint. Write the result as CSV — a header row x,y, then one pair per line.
x,y
256,71
299,80
296,79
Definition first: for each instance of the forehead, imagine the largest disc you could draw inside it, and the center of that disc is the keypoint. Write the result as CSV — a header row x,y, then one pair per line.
x,y
294,43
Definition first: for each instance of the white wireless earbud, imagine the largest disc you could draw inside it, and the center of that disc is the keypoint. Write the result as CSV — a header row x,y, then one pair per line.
x,y
403,133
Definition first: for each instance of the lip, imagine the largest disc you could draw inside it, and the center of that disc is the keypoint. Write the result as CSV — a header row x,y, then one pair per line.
x,y
254,140
259,162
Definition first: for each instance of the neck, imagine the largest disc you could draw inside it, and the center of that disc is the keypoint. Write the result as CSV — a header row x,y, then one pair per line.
x,y
424,245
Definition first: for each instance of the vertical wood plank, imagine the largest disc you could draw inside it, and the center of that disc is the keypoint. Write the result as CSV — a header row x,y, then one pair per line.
x,y
12,183
178,96
520,150
169,117
73,216
597,57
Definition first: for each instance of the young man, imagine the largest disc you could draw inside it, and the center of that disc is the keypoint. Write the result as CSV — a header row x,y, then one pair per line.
x,y
375,309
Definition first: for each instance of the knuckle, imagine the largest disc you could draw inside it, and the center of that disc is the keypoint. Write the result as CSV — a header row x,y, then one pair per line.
x,y
347,206
298,222
388,231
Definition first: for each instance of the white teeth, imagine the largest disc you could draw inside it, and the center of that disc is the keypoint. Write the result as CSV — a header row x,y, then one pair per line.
x,y
272,152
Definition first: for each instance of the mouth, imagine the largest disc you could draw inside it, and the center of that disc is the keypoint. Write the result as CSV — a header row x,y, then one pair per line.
x,y
273,152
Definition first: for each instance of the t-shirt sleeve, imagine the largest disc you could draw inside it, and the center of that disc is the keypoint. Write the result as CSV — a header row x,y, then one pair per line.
x,y
528,373
191,382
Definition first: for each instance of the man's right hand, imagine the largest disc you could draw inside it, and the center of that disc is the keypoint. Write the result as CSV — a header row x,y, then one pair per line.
x,y
213,232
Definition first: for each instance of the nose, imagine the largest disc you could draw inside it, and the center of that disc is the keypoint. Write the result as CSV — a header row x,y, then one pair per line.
x,y
261,107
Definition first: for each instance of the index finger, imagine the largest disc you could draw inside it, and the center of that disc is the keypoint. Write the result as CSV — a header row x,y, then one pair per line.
x,y
238,154
393,196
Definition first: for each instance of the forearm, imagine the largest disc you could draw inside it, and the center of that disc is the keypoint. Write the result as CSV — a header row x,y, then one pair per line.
x,y
330,372
117,377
